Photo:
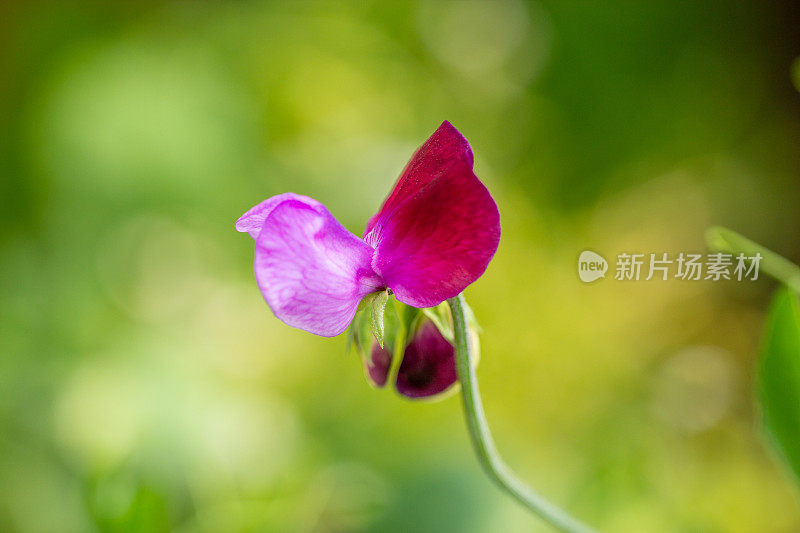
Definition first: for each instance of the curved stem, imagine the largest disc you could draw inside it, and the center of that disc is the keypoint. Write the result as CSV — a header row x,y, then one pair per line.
x,y
481,437
726,240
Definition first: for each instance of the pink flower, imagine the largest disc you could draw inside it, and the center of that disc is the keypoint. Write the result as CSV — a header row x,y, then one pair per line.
x,y
434,235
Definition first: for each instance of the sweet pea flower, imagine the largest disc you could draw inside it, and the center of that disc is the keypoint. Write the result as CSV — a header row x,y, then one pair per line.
x,y
434,235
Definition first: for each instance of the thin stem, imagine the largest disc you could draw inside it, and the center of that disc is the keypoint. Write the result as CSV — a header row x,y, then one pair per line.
x,y
481,437
725,240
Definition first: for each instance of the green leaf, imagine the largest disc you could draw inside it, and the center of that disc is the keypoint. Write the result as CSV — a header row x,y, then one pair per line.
x,y
779,378
377,315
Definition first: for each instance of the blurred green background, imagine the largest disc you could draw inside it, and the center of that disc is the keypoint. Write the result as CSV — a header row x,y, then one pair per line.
x,y
145,385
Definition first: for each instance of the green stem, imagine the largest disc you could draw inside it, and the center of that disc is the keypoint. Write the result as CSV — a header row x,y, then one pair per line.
x,y
481,437
724,240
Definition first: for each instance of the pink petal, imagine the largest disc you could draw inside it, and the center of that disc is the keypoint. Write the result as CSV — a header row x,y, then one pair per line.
x,y
429,365
310,269
439,228
254,218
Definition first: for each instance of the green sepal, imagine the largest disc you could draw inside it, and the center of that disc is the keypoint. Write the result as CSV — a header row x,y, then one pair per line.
x,y
366,301
377,316
407,320
397,318
359,335
440,316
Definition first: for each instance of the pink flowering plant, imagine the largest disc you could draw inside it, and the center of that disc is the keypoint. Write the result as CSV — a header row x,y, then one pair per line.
x,y
399,287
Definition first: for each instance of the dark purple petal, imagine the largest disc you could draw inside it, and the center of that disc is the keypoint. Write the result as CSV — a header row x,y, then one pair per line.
x,y
428,366
440,227
378,365
254,218
310,269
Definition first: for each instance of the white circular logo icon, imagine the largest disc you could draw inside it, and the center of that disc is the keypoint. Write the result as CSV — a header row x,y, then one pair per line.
x,y
591,266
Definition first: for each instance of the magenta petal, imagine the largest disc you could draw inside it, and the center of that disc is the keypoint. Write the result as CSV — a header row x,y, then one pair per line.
x,y
429,365
439,228
310,269
443,150
254,218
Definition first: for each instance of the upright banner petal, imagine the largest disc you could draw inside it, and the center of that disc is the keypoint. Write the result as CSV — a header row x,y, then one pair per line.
x,y
444,149
440,227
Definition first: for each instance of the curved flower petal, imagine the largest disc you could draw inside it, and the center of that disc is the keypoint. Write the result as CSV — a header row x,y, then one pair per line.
x,y
440,227
254,218
310,269
428,366
444,149
378,365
